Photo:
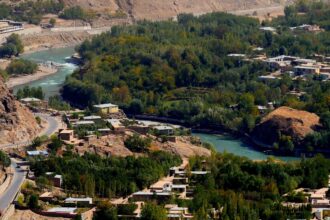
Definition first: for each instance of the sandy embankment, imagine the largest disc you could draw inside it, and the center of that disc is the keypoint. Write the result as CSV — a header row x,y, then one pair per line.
x,y
42,72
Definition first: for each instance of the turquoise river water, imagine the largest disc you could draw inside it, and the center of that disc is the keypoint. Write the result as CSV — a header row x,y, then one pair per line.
x,y
52,84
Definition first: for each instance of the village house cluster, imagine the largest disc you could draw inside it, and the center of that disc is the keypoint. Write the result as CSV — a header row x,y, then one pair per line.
x,y
318,199
299,67
178,184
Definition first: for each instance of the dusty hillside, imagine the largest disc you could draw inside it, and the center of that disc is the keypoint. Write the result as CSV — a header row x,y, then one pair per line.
x,y
16,122
164,9
286,121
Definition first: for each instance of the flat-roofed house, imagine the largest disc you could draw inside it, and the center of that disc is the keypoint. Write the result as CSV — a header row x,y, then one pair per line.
x,y
66,135
57,180
107,108
306,70
164,130
174,212
30,100
116,125
148,196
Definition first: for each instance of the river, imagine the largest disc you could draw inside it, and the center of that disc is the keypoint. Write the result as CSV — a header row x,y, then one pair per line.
x,y
52,84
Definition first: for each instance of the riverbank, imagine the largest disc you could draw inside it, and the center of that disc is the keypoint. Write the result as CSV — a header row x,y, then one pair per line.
x,y
43,71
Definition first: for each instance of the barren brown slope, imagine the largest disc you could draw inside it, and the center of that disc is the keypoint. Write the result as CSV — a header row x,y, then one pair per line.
x,y
17,123
164,9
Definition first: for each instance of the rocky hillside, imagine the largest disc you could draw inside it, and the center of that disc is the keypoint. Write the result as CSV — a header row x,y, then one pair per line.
x,y
164,9
17,123
285,121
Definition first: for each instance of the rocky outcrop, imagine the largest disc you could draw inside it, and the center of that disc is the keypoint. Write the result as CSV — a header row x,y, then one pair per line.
x,y
285,121
17,123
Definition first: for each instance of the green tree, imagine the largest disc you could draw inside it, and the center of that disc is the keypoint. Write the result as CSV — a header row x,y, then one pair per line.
x,y
33,202
151,211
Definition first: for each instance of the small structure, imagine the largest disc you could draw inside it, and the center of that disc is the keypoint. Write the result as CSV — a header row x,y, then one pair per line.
x,y
148,196
174,212
107,108
57,180
87,201
306,70
31,100
46,197
164,130
66,135
117,126
104,131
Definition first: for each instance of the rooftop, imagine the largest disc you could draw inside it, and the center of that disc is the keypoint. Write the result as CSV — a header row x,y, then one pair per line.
x,y
92,117
37,153
62,210
72,200
30,99
105,105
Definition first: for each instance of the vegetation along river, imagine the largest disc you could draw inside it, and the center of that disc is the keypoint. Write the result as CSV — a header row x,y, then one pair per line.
x,y
52,84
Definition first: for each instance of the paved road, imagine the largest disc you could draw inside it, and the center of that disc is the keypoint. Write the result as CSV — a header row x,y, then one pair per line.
x,y
9,195
53,124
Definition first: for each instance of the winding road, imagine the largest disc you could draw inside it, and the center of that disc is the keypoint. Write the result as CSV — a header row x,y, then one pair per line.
x,y
19,175
9,195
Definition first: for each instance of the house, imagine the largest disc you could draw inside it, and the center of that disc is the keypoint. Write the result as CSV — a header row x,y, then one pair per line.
x,y
8,26
46,196
57,180
30,100
104,131
87,201
66,135
147,196
306,70
62,210
117,126
164,130
107,108
174,212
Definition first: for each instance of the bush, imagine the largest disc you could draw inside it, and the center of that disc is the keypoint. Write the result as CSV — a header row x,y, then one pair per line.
x,y
12,47
21,66
137,144
75,12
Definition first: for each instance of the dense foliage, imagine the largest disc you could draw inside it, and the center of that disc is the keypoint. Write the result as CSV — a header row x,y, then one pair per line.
x,y
75,12
137,144
107,177
28,92
182,70
21,66
4,159
12,47
253,190
30,11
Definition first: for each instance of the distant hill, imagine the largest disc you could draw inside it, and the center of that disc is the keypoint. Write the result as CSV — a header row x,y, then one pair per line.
x,y
164,9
